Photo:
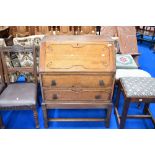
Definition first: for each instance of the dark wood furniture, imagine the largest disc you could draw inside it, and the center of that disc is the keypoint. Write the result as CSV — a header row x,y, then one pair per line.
x,y
4,31
2,86
135,89
19,96
147,34
77,72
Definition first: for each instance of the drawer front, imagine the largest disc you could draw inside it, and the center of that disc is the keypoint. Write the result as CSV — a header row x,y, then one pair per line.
x,y
81,81
76,95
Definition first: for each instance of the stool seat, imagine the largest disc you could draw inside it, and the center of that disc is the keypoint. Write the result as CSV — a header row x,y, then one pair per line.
x,y
120,73
138,86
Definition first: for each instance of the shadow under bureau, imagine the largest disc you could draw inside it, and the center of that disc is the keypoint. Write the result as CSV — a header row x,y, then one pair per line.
x,y
77,72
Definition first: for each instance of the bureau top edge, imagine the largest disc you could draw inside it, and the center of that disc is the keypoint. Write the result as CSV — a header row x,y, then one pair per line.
x,y
77,38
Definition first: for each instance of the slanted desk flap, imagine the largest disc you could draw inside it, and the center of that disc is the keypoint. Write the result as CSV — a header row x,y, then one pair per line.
x,y
76,56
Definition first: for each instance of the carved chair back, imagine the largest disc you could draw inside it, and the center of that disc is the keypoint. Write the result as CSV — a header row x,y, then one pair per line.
x,y
2,81
28,69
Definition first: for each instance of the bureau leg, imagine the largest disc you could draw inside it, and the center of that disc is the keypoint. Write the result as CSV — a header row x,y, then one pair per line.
x,y
35,113
45,115
108,116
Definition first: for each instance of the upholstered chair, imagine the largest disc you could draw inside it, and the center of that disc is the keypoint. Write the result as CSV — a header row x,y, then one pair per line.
x,y
20,96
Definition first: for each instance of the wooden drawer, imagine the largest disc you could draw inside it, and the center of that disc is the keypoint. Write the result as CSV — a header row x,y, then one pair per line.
x,y
76,95
81,81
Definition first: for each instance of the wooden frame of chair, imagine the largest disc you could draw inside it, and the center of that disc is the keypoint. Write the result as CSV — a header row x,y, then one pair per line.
x,y
7,70
3,82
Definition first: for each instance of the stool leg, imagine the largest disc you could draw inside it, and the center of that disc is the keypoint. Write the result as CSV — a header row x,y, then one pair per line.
x,y
45,115
124,114
108,116
146,106
35,113
118,96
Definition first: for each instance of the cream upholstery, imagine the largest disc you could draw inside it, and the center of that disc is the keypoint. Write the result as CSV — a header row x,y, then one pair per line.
x,y
2,42
131,73
30,40
125,61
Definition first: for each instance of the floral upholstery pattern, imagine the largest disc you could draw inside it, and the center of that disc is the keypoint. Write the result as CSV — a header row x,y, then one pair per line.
x,y
139,86
26,59
125,61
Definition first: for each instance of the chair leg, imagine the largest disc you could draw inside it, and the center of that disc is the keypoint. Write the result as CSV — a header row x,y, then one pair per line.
x,y
35,113
45,115
108,116
146,106
118,96
124,114
1,123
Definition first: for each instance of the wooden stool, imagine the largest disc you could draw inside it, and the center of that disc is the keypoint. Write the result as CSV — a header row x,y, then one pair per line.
x,y
135,89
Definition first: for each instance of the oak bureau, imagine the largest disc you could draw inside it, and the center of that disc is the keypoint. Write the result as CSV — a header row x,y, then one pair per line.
x,y
77,72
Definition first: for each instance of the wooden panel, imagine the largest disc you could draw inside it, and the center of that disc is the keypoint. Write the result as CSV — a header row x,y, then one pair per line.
x,y
110,31
127,39
75,53
83,81
70,56
76,94
77,104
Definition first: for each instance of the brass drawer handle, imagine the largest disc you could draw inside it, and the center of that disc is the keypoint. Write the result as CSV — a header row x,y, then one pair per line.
x,y
98,97
53,83
55,96
101,83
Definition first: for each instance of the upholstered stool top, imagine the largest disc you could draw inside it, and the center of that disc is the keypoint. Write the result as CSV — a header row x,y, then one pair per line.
x,y
138,86
120,73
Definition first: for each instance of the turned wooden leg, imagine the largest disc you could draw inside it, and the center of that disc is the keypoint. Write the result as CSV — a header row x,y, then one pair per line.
x,y
108,116
124,114
35,113
45,115
146,107
118,96
1,123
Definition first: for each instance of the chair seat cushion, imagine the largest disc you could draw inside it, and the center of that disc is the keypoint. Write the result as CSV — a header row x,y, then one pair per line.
x,y
138,86
125,61
18,94
131,73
